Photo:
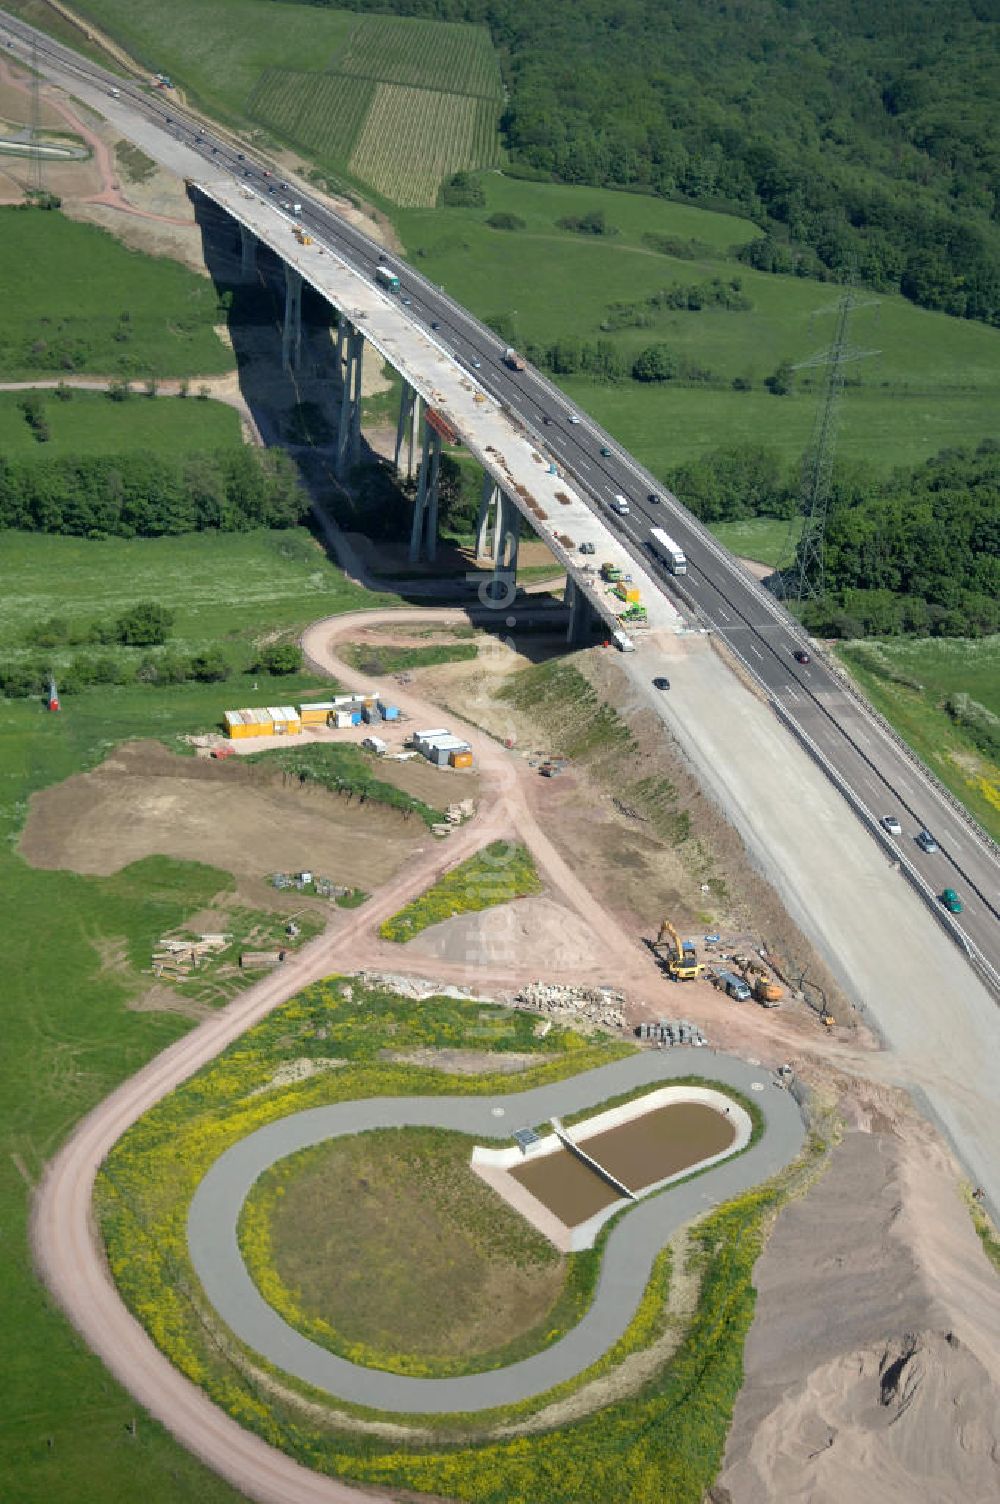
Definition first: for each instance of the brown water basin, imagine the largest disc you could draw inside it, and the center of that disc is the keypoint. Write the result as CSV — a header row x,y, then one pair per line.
x,y
639,1153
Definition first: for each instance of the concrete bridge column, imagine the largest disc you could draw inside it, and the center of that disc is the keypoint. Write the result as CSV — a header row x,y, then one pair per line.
x,y
506,537
291,329
423,534
352,341
489,513
581,614
248,255
407,429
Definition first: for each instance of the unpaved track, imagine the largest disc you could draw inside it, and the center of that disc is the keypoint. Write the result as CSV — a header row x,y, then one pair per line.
x,y
67,1246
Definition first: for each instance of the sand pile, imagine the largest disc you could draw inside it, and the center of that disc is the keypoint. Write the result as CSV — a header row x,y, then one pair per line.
x,y
529,934
873,1364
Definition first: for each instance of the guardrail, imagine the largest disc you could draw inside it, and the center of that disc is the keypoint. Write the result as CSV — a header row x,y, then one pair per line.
x,y
899,861
864,704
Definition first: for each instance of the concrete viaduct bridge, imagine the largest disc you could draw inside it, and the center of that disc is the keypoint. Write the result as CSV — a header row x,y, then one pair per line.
x,y
442,400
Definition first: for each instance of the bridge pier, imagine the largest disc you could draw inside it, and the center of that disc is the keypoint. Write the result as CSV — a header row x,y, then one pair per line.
x,y
248,255
488,520
423,534
407,429
350,353
581,614
506,537
291,329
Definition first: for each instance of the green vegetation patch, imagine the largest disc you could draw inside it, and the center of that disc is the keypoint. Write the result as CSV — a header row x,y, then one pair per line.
x,y
499,873
412,139
663,1442
225,591
89,423
913,682
578,721
86,303
372,658
322,111
346,770
933,382
766,540
423,54
386,1248
137,167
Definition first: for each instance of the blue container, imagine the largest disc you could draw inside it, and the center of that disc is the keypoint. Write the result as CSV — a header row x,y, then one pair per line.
x,y
389,712
356,717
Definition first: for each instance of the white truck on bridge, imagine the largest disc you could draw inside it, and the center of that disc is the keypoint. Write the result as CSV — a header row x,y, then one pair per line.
x,y
667,551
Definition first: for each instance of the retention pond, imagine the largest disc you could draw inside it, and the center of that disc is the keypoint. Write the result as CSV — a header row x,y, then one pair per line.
x,y
640,1153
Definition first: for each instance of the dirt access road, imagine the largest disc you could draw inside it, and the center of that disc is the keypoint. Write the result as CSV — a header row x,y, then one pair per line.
x,y
67,1247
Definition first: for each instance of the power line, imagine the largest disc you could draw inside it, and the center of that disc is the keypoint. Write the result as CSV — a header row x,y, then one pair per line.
x,y
808,571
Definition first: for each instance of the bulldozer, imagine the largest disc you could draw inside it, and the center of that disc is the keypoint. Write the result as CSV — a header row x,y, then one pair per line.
x,y
678,956
758,979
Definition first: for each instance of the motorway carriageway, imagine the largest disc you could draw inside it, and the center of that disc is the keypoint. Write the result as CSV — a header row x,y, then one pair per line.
x,y
880,774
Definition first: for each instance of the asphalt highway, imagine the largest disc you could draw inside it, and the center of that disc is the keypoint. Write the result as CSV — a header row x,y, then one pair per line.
x,y
877,773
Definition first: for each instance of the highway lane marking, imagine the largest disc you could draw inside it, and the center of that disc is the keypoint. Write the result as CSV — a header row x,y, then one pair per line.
x,y
755,649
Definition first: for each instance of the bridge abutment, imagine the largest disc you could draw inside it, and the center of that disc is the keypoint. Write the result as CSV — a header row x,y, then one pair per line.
x,y
581,614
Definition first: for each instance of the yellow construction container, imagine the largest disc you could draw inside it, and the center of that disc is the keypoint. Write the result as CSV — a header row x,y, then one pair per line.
x,y
627,593
460,759
241,723
317,714
285,720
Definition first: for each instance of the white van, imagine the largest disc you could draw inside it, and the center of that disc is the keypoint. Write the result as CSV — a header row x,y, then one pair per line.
x,y
620,505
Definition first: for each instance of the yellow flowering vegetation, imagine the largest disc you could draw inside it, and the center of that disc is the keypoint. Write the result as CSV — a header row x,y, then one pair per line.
x,y
661,1444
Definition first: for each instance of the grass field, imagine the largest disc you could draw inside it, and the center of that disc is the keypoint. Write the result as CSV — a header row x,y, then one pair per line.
x,y
423,54
69,1034
396,103
225,589
768,540
662,1442
935,381
499,873
444,133
86,303
373,658
90,423
424,1269
940,667
322,111
347,769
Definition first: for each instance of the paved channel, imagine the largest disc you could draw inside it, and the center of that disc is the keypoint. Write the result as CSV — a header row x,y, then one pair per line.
x,y
628,1256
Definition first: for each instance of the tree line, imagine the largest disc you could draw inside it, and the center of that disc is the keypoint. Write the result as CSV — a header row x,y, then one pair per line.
x,y
917,551
858,135
150,495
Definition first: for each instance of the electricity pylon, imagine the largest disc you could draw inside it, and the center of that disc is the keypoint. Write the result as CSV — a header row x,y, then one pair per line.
x,y
817,468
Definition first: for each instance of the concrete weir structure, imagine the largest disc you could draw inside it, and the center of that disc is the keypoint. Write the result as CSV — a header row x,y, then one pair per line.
x,y
499,1167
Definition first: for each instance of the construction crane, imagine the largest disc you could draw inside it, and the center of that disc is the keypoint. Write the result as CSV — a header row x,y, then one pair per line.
x,y
679,956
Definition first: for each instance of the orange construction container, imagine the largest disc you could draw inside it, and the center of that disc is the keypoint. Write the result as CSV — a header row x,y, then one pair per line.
x,y
460,759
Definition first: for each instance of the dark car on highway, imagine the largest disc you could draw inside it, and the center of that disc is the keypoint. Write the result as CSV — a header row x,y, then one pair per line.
x,y
660,682
951,901
653,499
926,842
801,656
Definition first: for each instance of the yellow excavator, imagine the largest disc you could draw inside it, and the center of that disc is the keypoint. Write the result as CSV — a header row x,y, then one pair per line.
x,y
678,956
758,978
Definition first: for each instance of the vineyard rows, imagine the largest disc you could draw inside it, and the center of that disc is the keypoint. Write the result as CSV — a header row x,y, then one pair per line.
x,y
414,138
436,55
323,112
